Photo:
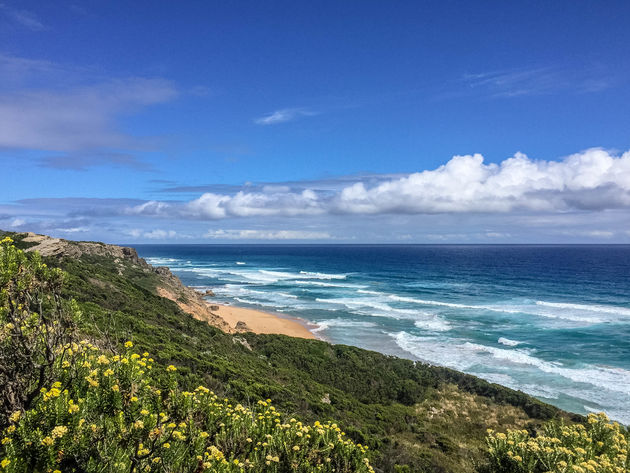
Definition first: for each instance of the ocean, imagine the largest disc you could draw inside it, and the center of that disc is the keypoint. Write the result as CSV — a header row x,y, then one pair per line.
x,y
552,321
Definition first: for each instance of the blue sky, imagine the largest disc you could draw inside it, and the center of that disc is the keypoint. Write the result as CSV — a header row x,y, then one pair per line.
x,y
329,122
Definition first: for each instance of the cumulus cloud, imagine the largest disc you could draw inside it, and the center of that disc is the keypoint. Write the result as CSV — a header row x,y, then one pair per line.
x,y
212,206
267,235
592,180
283,115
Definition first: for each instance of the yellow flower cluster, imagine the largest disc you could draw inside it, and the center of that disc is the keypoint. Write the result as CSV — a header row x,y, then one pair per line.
x,y
599,447
105,406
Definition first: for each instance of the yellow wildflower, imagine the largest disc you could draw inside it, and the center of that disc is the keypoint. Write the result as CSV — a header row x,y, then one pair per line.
x,y
59,431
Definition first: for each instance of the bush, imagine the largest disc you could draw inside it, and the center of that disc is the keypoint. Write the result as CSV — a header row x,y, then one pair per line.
x,y
600,446
106,413
34,320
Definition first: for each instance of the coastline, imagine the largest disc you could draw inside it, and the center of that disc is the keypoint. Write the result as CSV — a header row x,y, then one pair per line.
x,y
258,321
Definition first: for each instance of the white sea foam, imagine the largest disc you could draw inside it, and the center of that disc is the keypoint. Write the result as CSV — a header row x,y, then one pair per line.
x,y
508,342
373,307
580,313
240,263
158,261
508,381
454,305
306,282
464,356
339,322
310,275
606,309
433,324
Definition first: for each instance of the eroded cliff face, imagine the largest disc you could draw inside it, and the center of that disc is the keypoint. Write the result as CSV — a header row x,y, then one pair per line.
x,y
168,285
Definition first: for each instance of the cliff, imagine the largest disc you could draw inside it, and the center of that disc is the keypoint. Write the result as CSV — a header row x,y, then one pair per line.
x,y
167,284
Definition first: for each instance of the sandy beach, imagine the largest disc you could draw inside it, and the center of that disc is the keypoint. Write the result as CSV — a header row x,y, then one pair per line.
x,y
262,322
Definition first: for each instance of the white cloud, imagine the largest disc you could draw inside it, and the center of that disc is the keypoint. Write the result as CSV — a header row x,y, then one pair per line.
x,y
77,119
23,17
283,115
160,234
592,180
157,234
539,81
588,233
267,235
17,222
54,107
212,206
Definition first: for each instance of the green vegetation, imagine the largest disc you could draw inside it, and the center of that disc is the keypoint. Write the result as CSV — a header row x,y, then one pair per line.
x,y
413,417
73,407
601,446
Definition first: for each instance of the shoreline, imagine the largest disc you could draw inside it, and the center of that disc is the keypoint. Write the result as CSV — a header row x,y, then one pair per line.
x,y
258,321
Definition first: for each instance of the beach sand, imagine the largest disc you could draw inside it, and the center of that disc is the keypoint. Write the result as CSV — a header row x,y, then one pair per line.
x,y
261,322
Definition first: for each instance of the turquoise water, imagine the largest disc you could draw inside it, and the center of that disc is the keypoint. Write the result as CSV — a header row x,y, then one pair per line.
x,y
552,321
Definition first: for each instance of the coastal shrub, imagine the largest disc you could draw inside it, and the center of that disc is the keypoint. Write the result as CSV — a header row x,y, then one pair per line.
x,y
34,320
104,413
599,446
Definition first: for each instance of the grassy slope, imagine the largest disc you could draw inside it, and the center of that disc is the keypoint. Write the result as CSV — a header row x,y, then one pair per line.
x,y
429,418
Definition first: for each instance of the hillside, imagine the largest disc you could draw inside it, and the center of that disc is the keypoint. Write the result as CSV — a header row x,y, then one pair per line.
x,y
415,417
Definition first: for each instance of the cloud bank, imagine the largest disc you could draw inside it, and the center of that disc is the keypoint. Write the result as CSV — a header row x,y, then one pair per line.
x,y
593,180
267,235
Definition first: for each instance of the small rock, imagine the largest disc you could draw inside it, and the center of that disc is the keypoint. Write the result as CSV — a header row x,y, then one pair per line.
x,y
209,293
326,398
242,327
214,307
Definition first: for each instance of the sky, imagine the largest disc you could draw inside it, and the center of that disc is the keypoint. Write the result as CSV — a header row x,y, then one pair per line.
x,y
316,122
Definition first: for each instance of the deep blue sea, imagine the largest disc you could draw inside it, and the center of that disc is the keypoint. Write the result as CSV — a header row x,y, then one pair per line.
x,y
552,321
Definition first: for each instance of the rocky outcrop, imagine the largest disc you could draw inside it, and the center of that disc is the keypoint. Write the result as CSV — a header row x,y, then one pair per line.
x,y
60,248
242,327
167,284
